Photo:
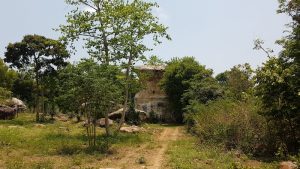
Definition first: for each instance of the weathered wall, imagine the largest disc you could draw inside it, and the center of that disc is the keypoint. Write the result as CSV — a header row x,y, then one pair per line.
x,y
152,98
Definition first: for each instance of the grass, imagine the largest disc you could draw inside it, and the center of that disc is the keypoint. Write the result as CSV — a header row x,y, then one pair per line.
x,y
24,144
187,153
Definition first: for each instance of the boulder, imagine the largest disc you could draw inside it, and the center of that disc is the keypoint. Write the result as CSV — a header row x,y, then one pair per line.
x,y
40,125
101,122
118,114
288,165
7,113
132,129
19,103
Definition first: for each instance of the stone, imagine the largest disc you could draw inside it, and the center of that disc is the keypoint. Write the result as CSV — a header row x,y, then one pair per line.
x,y
101,122
64,128
7,113
21,105
39,125
132,129
288,165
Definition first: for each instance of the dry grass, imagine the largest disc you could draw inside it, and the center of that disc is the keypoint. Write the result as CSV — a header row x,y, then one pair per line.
x,y
25,144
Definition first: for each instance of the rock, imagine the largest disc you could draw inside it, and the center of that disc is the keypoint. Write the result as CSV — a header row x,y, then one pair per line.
x,y
288,165
101,122
7,113
39,125
132,129
12,127
21,105
118,114
63,119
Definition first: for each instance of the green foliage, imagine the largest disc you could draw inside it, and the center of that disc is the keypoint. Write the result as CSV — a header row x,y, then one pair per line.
x,y
155,60
24,88
234,124
188,153
176,80
88,82
90,89
278,83
238,82
4,94
39,56
114,31
132,117
153,117
202,91
7,76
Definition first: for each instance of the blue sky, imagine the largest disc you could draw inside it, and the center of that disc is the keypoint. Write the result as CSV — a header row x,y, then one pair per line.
x,y
218,33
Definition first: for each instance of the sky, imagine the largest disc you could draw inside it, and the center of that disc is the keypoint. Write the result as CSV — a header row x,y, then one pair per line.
x,y
218,33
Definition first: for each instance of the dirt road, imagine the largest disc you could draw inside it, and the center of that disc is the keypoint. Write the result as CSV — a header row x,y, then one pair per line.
x,y
169,134
152,152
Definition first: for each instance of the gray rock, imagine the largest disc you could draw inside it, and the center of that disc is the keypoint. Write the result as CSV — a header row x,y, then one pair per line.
x,y
101,122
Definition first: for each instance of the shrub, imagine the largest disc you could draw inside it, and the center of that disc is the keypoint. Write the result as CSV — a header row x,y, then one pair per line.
x,y
234,124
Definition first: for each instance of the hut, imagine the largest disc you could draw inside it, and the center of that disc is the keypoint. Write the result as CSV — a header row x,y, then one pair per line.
x,y
152,99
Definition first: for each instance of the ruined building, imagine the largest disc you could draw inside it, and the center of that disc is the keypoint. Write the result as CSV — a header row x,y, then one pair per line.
x,y
152,99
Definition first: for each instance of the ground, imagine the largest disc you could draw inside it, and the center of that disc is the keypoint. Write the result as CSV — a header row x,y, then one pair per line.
x,y
26,145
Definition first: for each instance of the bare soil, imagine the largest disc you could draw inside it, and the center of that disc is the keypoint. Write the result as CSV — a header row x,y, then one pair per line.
x,y
147,156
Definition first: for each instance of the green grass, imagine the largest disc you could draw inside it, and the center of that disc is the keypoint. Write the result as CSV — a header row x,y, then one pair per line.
x,y
21,139
187,153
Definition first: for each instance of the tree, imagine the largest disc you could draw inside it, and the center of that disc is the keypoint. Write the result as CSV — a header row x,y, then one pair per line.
x,y
24,88
155,60
237,82
114,32
202,91
7,76
37,54
176,81
278,82
91,88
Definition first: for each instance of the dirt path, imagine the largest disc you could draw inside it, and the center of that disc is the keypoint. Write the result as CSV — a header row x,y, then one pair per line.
x,y
168,135
153,152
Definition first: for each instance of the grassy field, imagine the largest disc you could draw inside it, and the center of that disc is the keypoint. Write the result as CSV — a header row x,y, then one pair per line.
x,y
63,145
187,153
25,144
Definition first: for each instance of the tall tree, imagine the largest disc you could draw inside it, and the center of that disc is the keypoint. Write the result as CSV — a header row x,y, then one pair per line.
x,y
91,88
114,31
177,80
36,54
278,82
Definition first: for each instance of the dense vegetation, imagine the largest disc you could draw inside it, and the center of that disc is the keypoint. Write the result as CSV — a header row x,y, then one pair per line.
x,y
255,111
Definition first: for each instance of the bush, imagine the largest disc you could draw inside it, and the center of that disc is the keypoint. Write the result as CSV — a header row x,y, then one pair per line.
x,y
153,118
234,124
132,117
4,94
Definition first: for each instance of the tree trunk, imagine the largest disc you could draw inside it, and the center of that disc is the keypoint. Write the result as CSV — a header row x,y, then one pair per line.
x,y
126,93
106,124
37,115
